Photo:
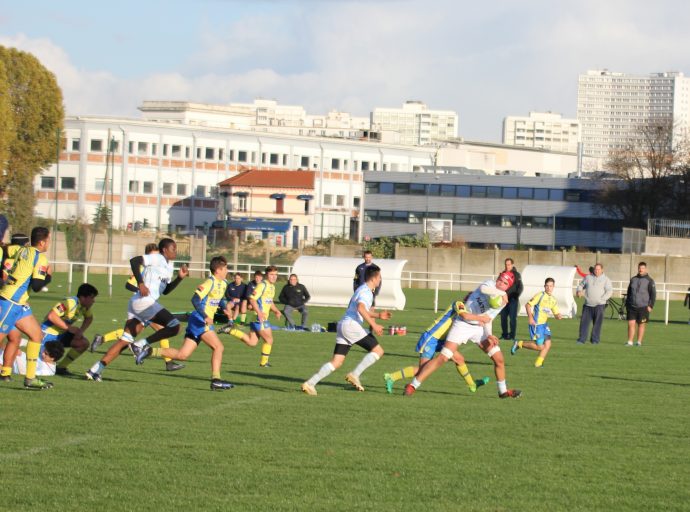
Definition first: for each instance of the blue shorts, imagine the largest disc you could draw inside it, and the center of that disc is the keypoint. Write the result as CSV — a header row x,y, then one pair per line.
x,y
539,333
427,346
65,338
197,327
260,326
11,313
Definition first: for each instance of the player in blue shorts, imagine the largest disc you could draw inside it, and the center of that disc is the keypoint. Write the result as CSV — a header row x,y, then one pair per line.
x,y
538,310
209,296
429,344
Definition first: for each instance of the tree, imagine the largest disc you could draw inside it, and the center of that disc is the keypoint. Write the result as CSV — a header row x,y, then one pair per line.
x,y
36,115
648,171
6,120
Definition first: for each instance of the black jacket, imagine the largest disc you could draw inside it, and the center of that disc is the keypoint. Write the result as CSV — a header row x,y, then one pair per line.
x,y
294,296
515,290
641,292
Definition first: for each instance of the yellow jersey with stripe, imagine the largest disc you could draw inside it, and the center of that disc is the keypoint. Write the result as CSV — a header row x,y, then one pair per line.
x,y
28,263
209,295
70,311
263,295
8,253
439,327
543,305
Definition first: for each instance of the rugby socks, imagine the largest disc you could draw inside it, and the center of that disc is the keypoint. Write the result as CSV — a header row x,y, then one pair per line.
x,y
519,343
33,348
98,367
404,373
365,363
69,358
6,371
237,333
465,374
113,335
502,388
165,344
158,352
243,317
265,353
323,372
215,376
415,383
539,362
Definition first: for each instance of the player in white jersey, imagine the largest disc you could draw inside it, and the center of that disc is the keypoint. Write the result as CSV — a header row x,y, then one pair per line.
x,y
51,352
351,332
475,326
154,280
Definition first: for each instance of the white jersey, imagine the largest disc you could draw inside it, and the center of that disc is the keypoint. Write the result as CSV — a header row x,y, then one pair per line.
x,y
43,369
477,302
364,295
156,275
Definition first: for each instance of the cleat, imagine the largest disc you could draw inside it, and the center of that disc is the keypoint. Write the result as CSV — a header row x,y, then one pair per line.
x,y
64,372
515,347
638,344
354,380
308,389
389,383
97,342
37,384
539,365
482,382
172,366
511,393
267,365
227,328
409,390
629,344
142,353
136,349
96,377
472,387
5,378
221,385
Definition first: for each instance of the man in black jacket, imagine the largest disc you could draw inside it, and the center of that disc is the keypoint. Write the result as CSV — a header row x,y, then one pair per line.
x,y
639,302
295,297
511,309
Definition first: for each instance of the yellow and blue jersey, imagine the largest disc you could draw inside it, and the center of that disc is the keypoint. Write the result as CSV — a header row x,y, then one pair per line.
x,y
208,296
70,311
28,263
428,342
543,304
263,295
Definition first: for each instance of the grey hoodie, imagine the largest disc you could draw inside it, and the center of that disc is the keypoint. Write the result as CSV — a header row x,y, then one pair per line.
x,y
597,290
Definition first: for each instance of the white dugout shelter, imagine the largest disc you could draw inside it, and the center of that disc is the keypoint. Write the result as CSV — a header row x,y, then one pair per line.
x,y
533,277
329,280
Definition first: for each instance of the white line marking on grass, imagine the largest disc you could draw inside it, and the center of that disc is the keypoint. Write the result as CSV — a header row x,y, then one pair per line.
x,y
70,441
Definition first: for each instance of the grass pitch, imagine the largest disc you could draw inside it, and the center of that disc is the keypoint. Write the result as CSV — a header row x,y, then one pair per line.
x,y
598,428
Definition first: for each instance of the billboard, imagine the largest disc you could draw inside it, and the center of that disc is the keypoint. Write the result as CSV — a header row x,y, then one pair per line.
x,y
439,230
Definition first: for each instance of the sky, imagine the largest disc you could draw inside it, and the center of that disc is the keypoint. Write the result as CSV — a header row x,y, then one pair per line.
x,y
484,60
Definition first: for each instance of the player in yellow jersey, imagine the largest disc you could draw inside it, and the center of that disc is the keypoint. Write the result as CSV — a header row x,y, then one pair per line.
x,y
115,335
30,270
208,297
431,342
262,304
538,310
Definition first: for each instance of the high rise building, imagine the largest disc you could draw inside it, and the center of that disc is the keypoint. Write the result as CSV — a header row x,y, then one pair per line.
x,y
416,124
611,107
543,130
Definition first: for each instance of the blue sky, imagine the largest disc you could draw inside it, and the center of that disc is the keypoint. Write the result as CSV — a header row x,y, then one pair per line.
x,y
485,60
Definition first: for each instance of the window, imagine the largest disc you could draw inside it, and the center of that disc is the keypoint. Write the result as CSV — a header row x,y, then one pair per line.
x,y
213,192
181,189
541,194
417,189
478,191
130,148
114,146
461,219
525,193
176,151
492,220
371,188
186,152
509,192
67,183
401,188
386,188
96,145
508,221
462,191
335,164
209,153
231,155
370,215
274,158
154,149
263,158
304,162
385,216
477,220
280,205
134,186
167,189
99,185
47,182
166,149
75,144
221,153
340,200
365,166
242,203
148,187
572,195
356,202
143,148
328,199
433,189
447,190
400,217
241,156
200,191
493,192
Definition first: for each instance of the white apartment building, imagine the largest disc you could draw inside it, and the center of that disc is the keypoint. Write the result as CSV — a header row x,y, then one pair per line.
x,y
415,123
544,130
611,106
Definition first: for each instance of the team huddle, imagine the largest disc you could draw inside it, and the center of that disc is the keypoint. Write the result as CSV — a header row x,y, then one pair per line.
x,y
58,341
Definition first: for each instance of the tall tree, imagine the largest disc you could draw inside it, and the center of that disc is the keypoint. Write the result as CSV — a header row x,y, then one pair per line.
x,y
6,120
37,113
648,169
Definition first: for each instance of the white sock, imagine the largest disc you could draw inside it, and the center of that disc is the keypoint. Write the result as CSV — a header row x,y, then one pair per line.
x,y
365,363
502,388
141,343
323,372
97,368
415,383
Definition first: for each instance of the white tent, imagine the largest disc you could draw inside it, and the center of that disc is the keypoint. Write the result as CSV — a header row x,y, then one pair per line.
x,y
533,277
329,280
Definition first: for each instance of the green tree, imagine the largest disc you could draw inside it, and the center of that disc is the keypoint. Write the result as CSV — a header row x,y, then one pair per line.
x,y
6,119
37,113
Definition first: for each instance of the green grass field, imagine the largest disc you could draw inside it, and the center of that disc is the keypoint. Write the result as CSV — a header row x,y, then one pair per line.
x,y
598,428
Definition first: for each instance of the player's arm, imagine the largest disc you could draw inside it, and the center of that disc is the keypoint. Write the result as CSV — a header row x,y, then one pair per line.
x,y
383,314
253,301
556,312
42,275
530,313
137,263
198,302
181,274
275,310
56,317
483,318
367,316
88,320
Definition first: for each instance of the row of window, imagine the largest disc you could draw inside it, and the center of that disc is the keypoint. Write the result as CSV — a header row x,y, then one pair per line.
x,y
478,191
134,187
505,221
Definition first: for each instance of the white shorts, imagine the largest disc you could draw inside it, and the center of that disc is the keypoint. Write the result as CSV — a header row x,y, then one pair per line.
x,y
461,332
349,332
143,309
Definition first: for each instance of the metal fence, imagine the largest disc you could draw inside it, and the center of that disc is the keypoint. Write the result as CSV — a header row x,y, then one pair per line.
x,y
669,228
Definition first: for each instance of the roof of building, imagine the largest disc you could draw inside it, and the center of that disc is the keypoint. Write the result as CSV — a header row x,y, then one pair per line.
x,y
272,179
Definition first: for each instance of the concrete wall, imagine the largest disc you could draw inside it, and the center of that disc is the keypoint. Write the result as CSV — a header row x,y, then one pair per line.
x,y
663,245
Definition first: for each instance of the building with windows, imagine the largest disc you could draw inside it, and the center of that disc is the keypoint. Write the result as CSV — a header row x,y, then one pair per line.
x,y
611,106
507,211
543,130
415,123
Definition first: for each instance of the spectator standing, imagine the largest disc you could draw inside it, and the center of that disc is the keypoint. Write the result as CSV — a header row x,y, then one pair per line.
x,y
639,302
686,301
597,289
359,274
509,313
295,297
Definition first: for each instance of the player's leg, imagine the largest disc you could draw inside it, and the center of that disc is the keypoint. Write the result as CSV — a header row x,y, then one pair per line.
x,y
169,327
250,339
170,365
132,328
108,337
13,340
77,346
374,353
464,371
490,347
31,328
545,347
449,347
266,334
339,354
243,311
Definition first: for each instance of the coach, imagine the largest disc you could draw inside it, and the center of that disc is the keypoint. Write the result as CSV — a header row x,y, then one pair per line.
x,y
295,297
